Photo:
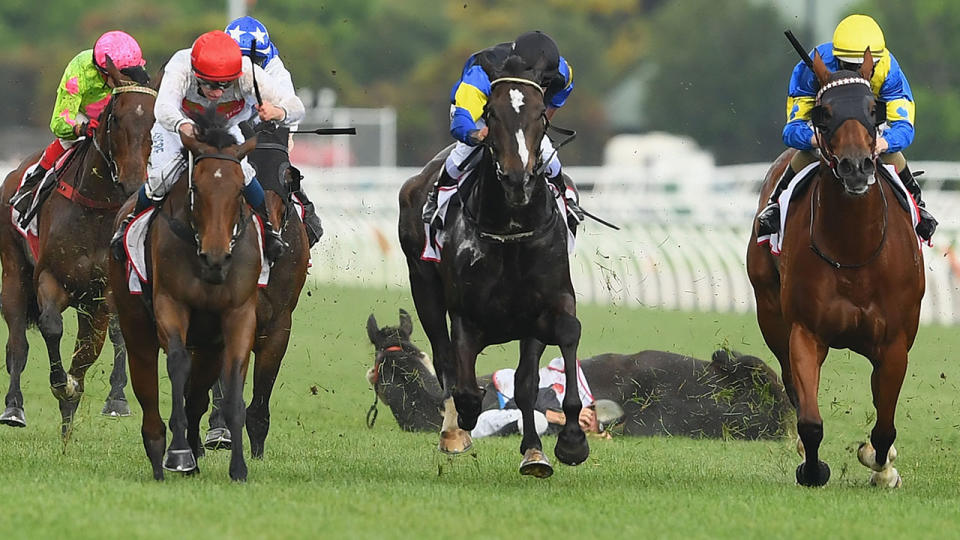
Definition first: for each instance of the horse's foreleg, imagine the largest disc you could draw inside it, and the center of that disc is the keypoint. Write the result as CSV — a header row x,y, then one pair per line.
x,y
535,462
427,294
572,447
806,357
270,350
239,327
116,403
467,395
204,371
14,300
890,366
91,332
52,300
173,319
143,377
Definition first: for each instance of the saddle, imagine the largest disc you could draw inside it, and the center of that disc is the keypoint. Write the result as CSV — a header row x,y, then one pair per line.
x,y
41,192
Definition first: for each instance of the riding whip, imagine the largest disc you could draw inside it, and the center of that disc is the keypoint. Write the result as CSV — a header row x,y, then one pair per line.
x,y
329,131
799,48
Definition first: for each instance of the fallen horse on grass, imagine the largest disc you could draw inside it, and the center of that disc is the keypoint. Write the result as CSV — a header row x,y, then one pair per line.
x,y
660,393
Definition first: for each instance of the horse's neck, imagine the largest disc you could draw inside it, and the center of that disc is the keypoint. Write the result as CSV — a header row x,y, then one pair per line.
x,y
93,178
418,394
851,225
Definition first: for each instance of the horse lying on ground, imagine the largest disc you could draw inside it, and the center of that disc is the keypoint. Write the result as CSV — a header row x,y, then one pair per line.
x,y
661,393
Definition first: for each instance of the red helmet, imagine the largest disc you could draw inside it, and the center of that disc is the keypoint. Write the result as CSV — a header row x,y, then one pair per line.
x,y
216,57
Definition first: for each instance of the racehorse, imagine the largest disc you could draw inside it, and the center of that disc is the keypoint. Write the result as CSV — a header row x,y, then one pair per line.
x,y
849,276
279,298
204,263
503,274
70,265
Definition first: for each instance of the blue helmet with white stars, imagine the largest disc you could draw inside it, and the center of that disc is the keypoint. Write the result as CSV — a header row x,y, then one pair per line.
x,y
252,37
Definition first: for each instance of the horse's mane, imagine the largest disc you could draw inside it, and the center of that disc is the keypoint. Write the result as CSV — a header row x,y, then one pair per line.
x,y
212,129
514,66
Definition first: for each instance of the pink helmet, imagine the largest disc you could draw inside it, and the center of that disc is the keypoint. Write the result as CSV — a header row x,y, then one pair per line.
x,y
122,49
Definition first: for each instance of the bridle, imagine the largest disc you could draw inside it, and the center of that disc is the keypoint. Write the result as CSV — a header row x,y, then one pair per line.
x,y
377,362
107,154
238,225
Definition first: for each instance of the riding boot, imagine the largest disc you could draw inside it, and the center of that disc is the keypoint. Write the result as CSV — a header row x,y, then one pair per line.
x,y
311,221
768,221
928,224
273,243
22,199
116,243
432,205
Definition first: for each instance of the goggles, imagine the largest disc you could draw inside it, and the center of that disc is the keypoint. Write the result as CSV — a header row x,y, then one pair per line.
x,y
214,85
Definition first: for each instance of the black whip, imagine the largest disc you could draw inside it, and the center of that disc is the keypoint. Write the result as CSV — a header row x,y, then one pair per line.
x,y
799,48
329,131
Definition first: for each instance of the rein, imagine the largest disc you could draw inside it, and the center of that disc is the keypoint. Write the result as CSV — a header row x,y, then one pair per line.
x,y
832,262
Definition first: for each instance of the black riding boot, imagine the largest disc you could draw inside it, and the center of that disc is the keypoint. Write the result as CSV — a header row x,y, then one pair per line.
x,y
311,221
24,196
273,243
768,221
432,204
928,224
574,212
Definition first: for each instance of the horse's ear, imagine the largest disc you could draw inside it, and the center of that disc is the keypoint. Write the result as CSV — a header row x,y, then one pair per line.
x,y
406,324
373,331
820,69
113,74
820,117
247,147
866,68
191,143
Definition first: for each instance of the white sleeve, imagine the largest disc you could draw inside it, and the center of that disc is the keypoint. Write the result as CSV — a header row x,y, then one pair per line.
x,y
492,421
273,92
279,72
176,78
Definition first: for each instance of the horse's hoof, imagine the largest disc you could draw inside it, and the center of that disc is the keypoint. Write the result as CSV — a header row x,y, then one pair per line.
x,y
535,463
820,477
868,457
116,408
455,442
572,447
180,461
218,439
13,417
887,478
69,391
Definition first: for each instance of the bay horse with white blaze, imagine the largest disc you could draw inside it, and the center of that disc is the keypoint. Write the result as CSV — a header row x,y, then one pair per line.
x,y
204,264
849,275
504,272
70,265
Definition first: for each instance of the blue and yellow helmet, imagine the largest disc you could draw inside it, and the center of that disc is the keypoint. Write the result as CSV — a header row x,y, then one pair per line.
x,y
252,37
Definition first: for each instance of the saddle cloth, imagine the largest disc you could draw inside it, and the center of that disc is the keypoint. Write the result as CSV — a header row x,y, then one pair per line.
x,y
434,239
799,181
134,242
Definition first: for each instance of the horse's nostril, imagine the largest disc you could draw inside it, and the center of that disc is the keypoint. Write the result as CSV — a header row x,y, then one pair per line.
x,y
844,168
867,167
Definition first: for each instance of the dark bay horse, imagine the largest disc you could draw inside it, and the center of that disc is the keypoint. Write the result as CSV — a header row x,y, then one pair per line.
x,y
279,298
70,269
504,274
850,273
204,263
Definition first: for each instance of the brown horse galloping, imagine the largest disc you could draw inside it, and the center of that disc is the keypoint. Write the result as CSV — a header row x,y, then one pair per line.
x,y
70,268
849,275
204,263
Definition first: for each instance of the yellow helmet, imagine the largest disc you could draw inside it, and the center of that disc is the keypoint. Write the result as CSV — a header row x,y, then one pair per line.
x,y
853,35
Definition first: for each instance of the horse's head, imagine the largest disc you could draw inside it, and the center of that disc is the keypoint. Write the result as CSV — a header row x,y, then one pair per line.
x,y
516,119
123,135
845,120
216,203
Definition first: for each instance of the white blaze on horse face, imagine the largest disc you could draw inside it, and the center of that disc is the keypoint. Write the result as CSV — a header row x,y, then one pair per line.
x,y
522,148
516,99
217,174
139,110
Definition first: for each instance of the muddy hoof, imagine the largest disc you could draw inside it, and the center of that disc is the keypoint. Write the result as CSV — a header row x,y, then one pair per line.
x,y
116,408
535,463
13,417
816,478
887,478
455,442
180,461
217,439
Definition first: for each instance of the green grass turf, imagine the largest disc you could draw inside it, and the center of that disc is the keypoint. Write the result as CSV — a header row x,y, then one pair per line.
x,y
326,475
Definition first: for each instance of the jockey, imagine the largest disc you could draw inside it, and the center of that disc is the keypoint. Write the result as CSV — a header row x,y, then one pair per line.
x,y
850,39
469,95
211,73
254,41
83,93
